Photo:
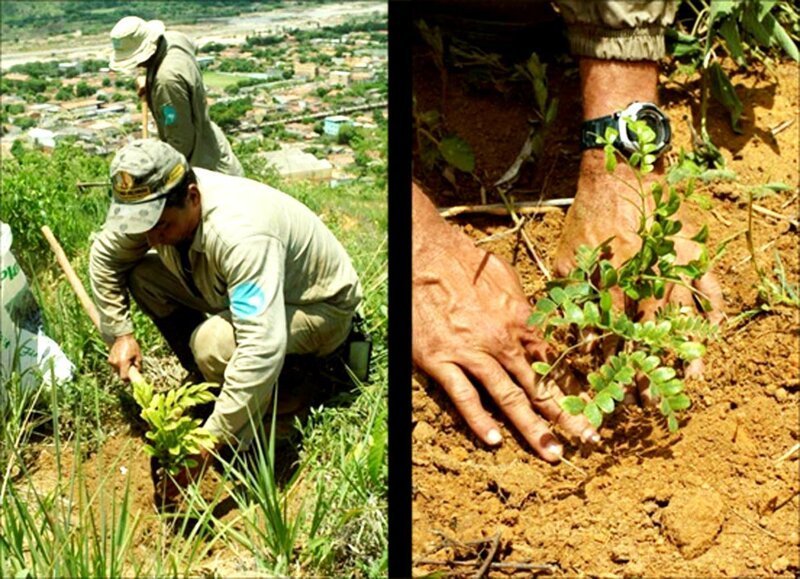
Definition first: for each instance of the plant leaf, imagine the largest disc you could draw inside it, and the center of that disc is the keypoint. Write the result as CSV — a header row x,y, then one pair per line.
x,y
546,306
573,313
701,235
605,402
722,90
558,295
457,152
672,423
720,8
662,374
679,402
615,391
730,32
691,350
541,368
537,319
593,414
776,32
573,404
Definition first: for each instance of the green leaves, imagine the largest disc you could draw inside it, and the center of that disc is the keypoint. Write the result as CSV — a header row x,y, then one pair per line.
x,y
541,368
457,152
722,90
573,404
175,437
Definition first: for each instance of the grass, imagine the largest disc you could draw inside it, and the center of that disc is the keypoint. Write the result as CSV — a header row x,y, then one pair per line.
x,y
220,80
328,517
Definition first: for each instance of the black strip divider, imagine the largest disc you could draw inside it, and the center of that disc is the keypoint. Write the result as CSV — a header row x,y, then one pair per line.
x,y
399,288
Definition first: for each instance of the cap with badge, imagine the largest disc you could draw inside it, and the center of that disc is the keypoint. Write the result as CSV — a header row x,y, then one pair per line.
x,y
142,175
134,41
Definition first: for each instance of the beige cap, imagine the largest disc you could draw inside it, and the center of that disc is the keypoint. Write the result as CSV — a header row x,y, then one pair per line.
x,y
142,175
134,41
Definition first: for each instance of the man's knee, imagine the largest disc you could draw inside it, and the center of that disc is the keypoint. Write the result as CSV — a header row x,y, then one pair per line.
x,y
213,344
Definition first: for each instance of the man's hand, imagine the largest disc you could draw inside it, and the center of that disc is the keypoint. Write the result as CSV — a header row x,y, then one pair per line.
x,y
141,86
470,317
604,207
125,352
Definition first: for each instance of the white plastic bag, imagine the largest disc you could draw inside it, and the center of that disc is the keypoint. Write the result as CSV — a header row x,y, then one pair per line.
x,y
24,347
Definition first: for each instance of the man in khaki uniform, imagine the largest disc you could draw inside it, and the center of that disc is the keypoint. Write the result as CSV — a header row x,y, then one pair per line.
x,y
174,91
262,272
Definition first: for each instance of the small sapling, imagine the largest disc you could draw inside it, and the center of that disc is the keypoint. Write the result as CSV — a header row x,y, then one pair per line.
x,y
578,308
175,437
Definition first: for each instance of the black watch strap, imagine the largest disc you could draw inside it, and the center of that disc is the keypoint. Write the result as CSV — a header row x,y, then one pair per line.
x,y
592,128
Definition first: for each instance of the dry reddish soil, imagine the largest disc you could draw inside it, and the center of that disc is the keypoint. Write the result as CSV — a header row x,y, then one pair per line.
x,y
120,465
710,500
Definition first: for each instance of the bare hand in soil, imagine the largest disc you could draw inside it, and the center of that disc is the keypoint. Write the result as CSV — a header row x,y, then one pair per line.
x,y
604,206
470,317
125,353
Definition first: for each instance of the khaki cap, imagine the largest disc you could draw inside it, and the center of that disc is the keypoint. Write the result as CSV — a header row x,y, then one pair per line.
x,y
134,41
142,175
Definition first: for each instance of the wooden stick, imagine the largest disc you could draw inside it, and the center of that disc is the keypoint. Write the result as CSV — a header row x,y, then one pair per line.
x,y
489,557
512,211
87,184
495,565
144,118
72,277
770,213
77,286
500,209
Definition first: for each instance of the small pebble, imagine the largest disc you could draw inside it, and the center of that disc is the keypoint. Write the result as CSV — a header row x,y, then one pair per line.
x,y
781,395
780,564
423,432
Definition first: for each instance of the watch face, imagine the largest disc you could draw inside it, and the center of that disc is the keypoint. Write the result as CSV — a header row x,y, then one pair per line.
x,y
653,118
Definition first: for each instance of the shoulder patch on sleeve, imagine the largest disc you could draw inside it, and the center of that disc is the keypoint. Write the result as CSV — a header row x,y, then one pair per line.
x,y
247,300
169,114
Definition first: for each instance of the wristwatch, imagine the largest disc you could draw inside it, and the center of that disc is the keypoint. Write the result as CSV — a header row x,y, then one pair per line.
x,y
625,141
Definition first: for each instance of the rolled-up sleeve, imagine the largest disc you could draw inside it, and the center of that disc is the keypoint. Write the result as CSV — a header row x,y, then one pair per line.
x,y
111,257
254,269
618,29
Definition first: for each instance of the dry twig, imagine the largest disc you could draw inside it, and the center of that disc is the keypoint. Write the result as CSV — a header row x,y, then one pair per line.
x,y
781,127
500,209
489,557
770,213
788,453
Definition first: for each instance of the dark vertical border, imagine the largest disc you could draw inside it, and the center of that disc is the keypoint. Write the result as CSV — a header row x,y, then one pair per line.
x,y
399,289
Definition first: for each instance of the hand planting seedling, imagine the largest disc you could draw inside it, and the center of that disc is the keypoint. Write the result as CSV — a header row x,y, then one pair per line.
x,y
579,307
175,438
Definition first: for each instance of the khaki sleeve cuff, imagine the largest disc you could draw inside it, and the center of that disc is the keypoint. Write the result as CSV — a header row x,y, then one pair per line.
x,y
617,29
643,43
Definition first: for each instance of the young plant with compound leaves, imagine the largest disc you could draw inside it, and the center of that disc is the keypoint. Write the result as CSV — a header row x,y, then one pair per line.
x,y
581,303
175,437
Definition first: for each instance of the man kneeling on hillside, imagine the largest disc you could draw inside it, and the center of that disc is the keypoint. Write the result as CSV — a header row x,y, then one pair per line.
x,y
235,275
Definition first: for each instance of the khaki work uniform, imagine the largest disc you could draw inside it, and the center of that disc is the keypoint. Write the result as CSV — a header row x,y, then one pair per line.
x,y
618,29
177,98
272,277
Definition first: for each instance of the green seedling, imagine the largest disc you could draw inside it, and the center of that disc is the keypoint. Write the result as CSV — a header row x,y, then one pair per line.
x,y
175,437
581,304
748,32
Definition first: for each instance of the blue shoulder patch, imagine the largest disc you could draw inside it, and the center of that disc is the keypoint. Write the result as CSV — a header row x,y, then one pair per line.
x,y
169,114
247,300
